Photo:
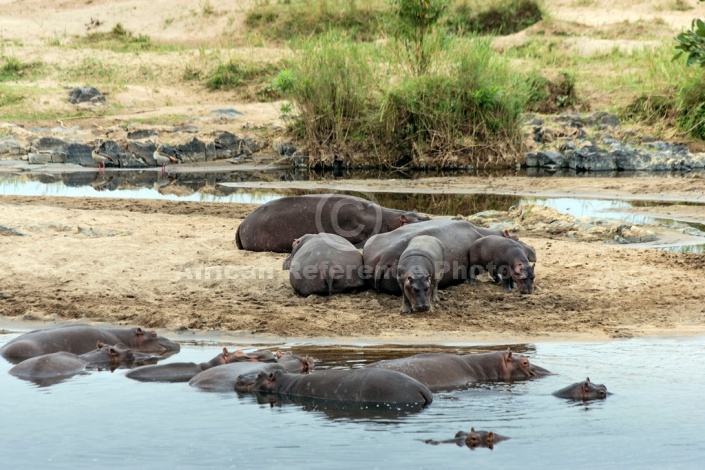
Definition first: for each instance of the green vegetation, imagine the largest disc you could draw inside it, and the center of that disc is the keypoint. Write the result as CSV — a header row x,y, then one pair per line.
x,y
237,74
11,68
9,96
692,42
498,17
120,39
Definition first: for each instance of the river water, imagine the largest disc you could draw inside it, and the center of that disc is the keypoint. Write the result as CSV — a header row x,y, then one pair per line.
x,y
653,419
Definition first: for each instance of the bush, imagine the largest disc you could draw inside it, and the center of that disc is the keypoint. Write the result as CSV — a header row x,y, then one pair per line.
x,y
500,17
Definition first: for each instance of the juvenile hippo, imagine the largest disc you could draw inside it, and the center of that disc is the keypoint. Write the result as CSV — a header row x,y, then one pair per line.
x,y
528,249
185,371
382,252
442,371
504,257
55,367
223,378
419,270
324,263
79,339
472,439
583,391
273,226
353,385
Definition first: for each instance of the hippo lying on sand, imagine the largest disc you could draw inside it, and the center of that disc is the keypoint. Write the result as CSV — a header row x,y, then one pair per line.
x,y
472,439
52,368
501,256
324,263
185,371
419,270
583,391
442,371
274,225
79,339
354,385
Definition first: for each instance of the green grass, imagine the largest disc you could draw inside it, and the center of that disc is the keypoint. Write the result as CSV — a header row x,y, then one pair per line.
x,y
121,40
10,96
11,68
493,17
235,74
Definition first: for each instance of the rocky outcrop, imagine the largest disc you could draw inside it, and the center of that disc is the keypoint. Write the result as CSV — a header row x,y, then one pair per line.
x,y
588,144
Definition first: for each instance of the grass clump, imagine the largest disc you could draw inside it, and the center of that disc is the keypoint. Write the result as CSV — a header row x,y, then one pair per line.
x,y
497,17
289,19
550,96
9,97
11,68
120,39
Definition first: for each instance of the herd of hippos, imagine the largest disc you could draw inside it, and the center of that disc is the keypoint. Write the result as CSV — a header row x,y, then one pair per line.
x,y
408,245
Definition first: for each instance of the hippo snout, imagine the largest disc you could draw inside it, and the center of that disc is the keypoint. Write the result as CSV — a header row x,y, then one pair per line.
x,y
422,308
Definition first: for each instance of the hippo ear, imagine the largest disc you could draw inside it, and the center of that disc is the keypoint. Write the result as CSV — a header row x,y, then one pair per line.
x,y
278,354
403,219
113,352
100,344
533,266
409,278
505,233
271,377
587,379
225,352
139,331
518,267
586,386
472,429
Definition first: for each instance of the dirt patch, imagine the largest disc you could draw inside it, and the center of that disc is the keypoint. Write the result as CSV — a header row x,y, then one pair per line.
x,y
174,265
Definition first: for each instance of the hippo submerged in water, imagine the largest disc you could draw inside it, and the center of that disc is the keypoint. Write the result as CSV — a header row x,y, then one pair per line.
x,y
585,391
55,367
324,263
378,386
274,225
79,339
442,371
472,439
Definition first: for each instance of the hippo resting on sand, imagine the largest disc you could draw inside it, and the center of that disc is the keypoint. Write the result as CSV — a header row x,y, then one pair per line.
x,y
378,386
528,249
442,371
419,270
382,252
501,256
583,391
274,225
52,368
324,263
185,371
223,378
79,339
472,439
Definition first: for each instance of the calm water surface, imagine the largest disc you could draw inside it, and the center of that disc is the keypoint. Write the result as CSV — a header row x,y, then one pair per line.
x,y
654,419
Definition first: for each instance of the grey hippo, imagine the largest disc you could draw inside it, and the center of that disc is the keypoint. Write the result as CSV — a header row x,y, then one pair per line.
x,y
275,225
472,439
79,339
502,256
324,263
442,371
584,391
419,270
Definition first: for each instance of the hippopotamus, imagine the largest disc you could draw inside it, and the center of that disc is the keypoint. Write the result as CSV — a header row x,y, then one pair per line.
x,y
352,385
585,391
54,367
185,371
504,257
274,225
472,439
79,339
443,371
324,263
223,378
381,253
419,270
528,249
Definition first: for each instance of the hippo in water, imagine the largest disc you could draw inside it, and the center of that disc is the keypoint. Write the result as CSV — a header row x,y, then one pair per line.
x,y
324,263
52,368
223,378
419,270
79,339
501,256
274,225
442,371
585,391
352,385
472,439
185,371
382,252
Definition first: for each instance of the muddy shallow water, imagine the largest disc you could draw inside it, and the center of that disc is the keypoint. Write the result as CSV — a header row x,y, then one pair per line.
x,y
652,419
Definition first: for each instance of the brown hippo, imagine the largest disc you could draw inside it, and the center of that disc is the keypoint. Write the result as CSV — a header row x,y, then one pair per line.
x,y
55,367
223,378
79,339
185,371
442,371
352,385
382,252
583,391
274,225
419,270
501,256
472,439
324,263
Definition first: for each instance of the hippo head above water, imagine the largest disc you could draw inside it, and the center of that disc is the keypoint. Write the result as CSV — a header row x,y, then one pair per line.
x,y
150,341
585,391
116,354
516,367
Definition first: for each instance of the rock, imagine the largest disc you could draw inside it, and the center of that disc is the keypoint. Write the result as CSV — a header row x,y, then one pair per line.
x,y
193,151
546,158
591,158
285,149
10,147
531,159
86,94
141,134
10,231
634,234
79,154
39,158
144,150
602,119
